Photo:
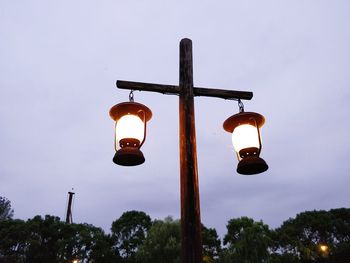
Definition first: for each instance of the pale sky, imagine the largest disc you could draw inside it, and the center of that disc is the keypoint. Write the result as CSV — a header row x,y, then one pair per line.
x,y
59,61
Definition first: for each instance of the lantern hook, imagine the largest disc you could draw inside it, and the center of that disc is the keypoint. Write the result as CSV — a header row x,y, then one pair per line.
x,y
240,105
131,96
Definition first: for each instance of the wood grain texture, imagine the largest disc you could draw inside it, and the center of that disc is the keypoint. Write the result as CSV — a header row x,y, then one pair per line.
x,y
175,90
132,85
223,94
191,244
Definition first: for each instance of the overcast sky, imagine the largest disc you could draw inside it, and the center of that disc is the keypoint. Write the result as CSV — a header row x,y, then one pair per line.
x,y
59,61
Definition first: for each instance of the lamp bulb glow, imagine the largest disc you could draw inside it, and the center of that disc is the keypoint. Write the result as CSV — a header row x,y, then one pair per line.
x,y
245,136
130,126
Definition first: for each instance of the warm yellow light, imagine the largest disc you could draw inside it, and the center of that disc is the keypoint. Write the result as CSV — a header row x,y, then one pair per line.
x,y
130,126
75,261
244,136
324,248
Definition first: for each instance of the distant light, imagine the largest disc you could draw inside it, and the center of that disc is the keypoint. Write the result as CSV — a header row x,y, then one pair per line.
x,y
324,248
75,261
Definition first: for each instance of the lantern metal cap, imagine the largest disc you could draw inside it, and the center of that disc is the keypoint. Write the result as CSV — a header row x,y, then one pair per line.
x,y
124,108
243,118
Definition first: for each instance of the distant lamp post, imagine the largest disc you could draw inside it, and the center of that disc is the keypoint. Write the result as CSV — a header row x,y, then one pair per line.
x,y
130,131
246,140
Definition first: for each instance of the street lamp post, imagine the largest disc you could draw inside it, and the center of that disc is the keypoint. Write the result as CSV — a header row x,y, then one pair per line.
x,y
190,206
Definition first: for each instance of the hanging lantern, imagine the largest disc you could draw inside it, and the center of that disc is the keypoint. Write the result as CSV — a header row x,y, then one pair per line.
x,y
245,129
130,131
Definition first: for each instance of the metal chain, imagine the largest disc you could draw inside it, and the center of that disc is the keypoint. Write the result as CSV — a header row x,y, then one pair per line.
x,y
240,105
131,96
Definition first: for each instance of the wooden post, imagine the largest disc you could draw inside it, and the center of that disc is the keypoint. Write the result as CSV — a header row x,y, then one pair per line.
x,y
190,208
69,217
174,90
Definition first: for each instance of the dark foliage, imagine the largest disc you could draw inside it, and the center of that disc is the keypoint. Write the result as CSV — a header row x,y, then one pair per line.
x,y
50,240
313,236
129,232
6,212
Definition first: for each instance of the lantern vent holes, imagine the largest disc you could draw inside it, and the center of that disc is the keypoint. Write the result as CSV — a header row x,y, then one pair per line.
x,y
129,142
129,154
247,152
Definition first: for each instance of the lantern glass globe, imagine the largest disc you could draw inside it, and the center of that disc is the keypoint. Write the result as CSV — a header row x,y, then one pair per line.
x,y
130,126
245,136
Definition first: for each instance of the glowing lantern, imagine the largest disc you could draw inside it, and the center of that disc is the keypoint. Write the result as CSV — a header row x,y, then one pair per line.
x,y
130,131
246,140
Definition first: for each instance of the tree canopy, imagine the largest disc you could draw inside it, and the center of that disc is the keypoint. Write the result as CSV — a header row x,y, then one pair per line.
x,y
162,244
6,212
51,240
312,236
247,241
211,244
316,236
129,232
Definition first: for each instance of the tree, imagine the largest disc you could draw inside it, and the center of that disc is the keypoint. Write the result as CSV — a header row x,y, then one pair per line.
x,y
211,245
129,232
304,236
86,243
41,239
48,239
163,243
5,209
102,251
13,236
247,241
